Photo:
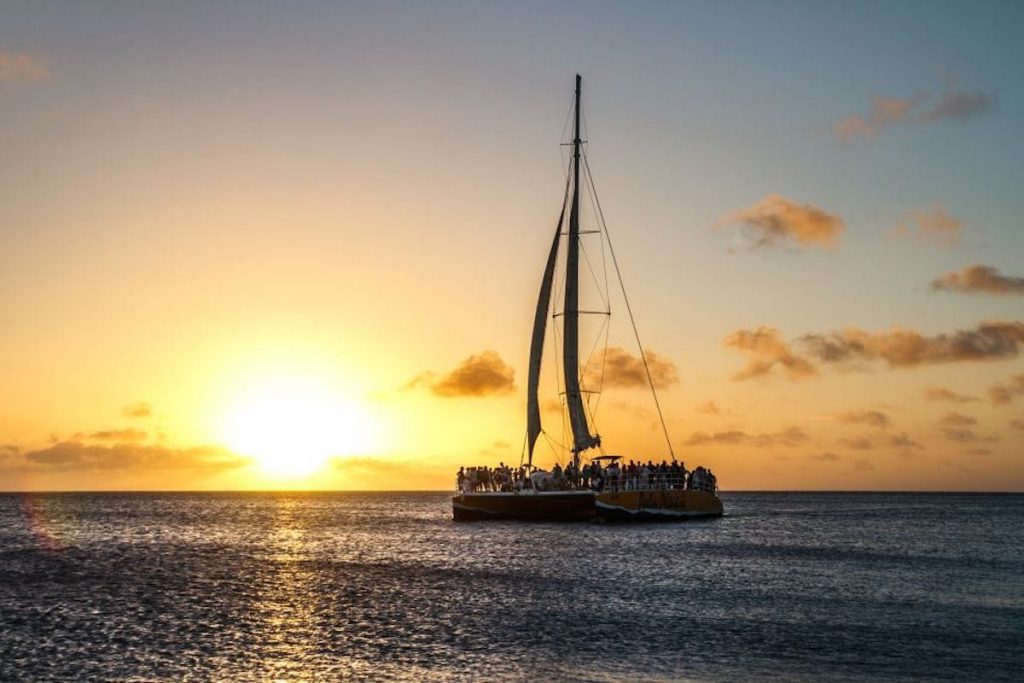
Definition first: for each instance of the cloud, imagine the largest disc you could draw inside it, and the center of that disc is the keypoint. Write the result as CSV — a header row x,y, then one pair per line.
x,y
931,224
709,408
622,369
137,410
861,443
484,374
943,394
979,279
960,428
793,436
863,465
74,455
902,440
957,420
853,348
873,418
776,220
767,350
1004,393
1017,424
119,435
901,347
22,67
918,110
826,457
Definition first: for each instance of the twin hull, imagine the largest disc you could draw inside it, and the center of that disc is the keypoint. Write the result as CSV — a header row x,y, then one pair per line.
x,y
581,506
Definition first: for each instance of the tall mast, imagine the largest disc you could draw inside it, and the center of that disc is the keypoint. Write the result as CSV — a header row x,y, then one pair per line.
x,y
582,438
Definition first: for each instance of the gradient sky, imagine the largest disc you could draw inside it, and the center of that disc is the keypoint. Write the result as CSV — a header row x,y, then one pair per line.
x,y
332,219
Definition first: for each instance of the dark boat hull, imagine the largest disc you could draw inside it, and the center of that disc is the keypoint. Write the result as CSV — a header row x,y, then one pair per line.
x,y
553,506
657,506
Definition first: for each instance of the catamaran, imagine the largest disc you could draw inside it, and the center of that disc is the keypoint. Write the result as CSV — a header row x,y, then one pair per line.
x,y
600,486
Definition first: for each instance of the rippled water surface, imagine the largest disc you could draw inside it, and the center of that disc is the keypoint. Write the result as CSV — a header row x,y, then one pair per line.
x,y
786,587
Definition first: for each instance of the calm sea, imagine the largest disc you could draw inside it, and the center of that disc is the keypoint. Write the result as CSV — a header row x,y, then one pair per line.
x,y
384,586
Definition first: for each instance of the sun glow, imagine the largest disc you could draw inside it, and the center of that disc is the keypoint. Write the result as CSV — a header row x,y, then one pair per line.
x,y
293,428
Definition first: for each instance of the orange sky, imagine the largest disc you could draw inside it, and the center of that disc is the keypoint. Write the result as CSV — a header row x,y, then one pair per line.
x,y
249,249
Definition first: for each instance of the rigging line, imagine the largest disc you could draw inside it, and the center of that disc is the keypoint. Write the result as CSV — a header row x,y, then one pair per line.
x,y
593,274
632,320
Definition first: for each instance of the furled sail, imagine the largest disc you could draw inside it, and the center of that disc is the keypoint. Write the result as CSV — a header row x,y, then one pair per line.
x,y
540,320
582,438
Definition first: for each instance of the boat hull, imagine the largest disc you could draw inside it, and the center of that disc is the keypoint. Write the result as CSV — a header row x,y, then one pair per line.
x,y
548,506
656,506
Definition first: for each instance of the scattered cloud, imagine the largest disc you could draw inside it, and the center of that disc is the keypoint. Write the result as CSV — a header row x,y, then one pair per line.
x,y
119,435
852,348
863,465
919,110
709,408
979,451
137,410
860,443
793,436
767,350
979,279
622,369
1017,424
22,67
873,418
957,420
484,374
943,394
901,347
902,441
777,221
74,455
931,224
1004,393
826,457
960,428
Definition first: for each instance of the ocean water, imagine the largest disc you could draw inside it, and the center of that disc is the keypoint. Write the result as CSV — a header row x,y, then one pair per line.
x,y
384,586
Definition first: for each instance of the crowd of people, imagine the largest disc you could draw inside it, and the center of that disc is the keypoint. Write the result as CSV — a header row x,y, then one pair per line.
x,y
615,476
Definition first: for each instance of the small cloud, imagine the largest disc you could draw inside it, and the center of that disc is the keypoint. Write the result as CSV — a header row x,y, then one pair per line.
x,y
709,408
776,221
932,224
903,441
76,456
1017,424
826,457
960,428
937,394
959,105
119,435
957,420
863,465
861,443
622,369
918,110
137,410
793,436
484,374
982,452
767,350
1005,393
979,279
22,67
872,418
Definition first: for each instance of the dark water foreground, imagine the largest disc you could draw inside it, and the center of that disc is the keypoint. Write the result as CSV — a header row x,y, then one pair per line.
x,y
786,587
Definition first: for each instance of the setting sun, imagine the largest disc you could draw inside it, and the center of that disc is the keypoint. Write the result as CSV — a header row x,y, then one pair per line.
x,y
292,428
